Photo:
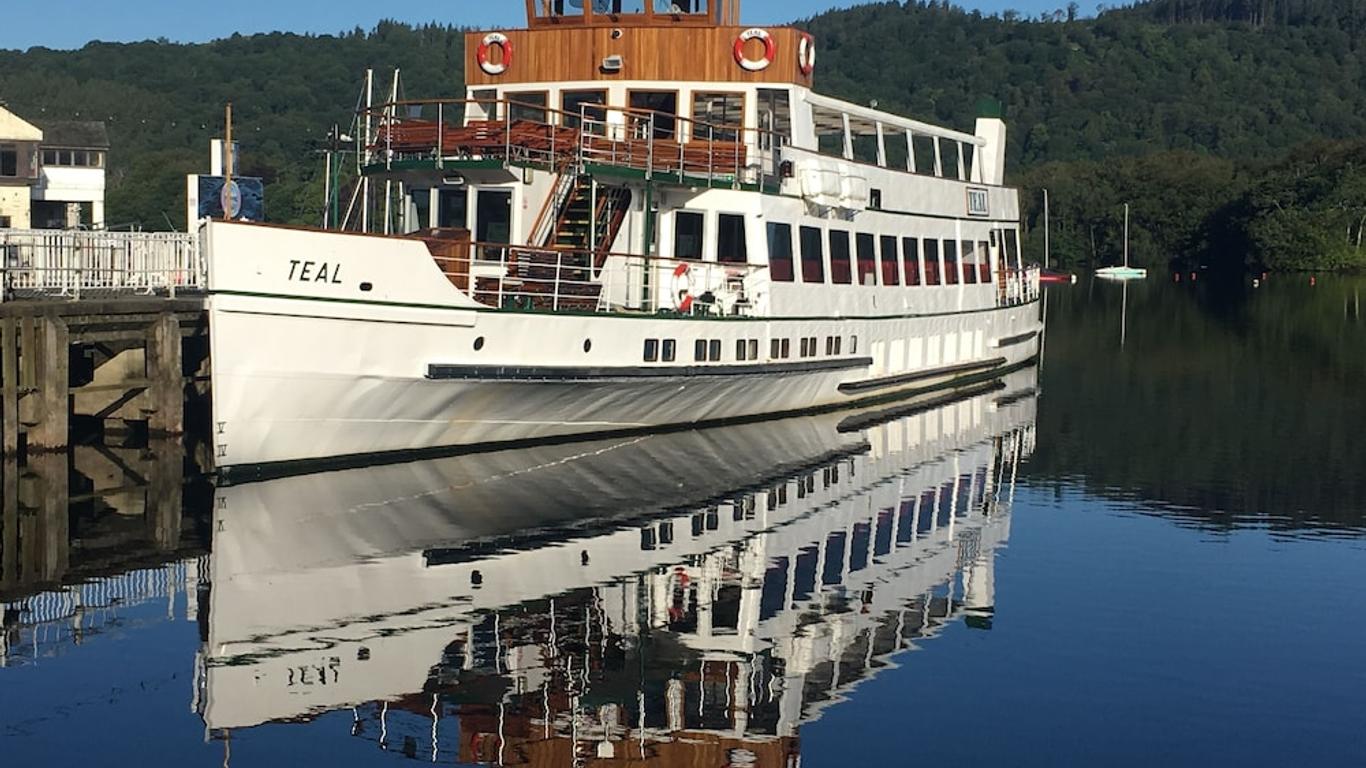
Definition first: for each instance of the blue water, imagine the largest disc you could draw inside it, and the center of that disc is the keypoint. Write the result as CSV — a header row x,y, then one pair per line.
x,y
1178,580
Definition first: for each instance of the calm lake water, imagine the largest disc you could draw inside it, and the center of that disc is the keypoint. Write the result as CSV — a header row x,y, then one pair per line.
x,y
1150,552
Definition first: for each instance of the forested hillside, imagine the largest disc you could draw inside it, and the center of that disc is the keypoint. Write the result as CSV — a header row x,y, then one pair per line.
x,y
1188,109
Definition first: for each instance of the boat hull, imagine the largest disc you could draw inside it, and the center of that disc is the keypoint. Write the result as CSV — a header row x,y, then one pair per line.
x,y
339,383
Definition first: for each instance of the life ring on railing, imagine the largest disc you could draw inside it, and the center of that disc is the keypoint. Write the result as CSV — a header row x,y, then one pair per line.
x,y
770,50
682,288
485,63
806,54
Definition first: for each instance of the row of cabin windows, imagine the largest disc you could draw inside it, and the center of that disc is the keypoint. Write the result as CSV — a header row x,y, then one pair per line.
x,y
710,109
709,350
881,261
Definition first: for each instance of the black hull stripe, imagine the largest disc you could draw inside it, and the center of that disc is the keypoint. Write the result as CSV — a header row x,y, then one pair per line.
x,y
1010,341
570,374
886,382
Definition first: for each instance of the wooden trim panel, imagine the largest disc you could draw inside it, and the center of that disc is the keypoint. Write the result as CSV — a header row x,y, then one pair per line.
x,y
670,53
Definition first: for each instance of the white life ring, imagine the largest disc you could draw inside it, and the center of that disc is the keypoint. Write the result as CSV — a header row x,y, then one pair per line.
x,y
806,54
770,50
490,40
682,288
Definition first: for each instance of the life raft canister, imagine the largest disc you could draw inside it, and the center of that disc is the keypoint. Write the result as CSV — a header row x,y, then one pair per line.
x,y
490,40
770,50
806,54
682,288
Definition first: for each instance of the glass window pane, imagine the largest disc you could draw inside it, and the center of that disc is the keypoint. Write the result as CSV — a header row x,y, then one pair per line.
x,y
841,272
730,239
717,115
867,259
931,261
984,261
951,273
577,103
891,262
664,105
493,218
969,260
780,252
813,256
688,231
528,106
910,253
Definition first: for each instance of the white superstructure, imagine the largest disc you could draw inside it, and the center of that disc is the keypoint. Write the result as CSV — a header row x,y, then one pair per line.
x,y
648,241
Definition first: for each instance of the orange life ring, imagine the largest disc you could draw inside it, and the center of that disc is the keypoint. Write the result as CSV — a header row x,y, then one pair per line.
x,y
490,40
683,298
806,54
770,50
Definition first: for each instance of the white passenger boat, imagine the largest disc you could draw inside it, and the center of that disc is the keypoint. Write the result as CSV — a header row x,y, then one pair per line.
x,y
635,219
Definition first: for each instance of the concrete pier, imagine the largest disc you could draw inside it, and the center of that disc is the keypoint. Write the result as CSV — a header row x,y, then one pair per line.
x,y
114,360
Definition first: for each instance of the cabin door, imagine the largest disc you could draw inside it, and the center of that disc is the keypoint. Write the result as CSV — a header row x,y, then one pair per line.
x,y
998,259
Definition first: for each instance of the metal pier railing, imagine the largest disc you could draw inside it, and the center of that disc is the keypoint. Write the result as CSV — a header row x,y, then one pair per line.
x,y
75,263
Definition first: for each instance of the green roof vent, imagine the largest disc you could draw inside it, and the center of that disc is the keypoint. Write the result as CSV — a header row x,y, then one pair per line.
x,y
990,108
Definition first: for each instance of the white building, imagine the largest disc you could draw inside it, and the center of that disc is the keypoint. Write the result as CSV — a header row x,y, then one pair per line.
x,y
19,142
70,189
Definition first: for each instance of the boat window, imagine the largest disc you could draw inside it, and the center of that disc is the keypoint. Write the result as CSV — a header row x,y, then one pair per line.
x,y
484,104
969,262
774,349
730,239
493,216
669,352
931,261
863,140
813,256
891,261
840,271
910,254
924,154
741,349
753,349
775,117
1012,249
717,115
951,270
699,351
948,155
688,231
867,259
453,209
787,348
681,6
780,252
528,105
664,105
651,350
714,347
422,209
559,7
894,147
577,103
984,261
829,131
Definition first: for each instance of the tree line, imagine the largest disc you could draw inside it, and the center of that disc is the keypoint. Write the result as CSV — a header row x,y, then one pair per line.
x,y
1200,118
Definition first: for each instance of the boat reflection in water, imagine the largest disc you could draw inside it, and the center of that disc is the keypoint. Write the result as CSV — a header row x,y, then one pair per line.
x,y
675,599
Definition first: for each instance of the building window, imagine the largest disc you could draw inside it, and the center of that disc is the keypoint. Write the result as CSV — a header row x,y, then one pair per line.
x,y
669,352
891,262
688,232
9,162
730,239
813,256
867,259
780,252
841,273
651,350
49,157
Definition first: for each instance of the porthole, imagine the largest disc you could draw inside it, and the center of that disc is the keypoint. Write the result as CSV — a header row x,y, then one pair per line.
x,y
587,346
478,343
367,287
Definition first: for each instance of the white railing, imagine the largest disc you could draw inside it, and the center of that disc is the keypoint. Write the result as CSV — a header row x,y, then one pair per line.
x,y
70,263
558,280
1022,286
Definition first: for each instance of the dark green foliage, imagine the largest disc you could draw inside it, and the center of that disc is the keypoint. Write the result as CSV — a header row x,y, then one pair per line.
x,y
164,102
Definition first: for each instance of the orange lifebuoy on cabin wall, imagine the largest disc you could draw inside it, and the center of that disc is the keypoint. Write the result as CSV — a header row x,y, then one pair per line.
x,y
770,50
491,40
806,54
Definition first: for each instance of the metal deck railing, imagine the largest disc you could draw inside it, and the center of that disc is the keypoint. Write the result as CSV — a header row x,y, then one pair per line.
x,y
75,263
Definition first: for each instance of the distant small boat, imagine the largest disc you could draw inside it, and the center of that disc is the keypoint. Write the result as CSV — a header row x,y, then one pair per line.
x,y
1125,272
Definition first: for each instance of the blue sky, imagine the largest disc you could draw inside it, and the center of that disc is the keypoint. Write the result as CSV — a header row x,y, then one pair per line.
x,y
73,23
